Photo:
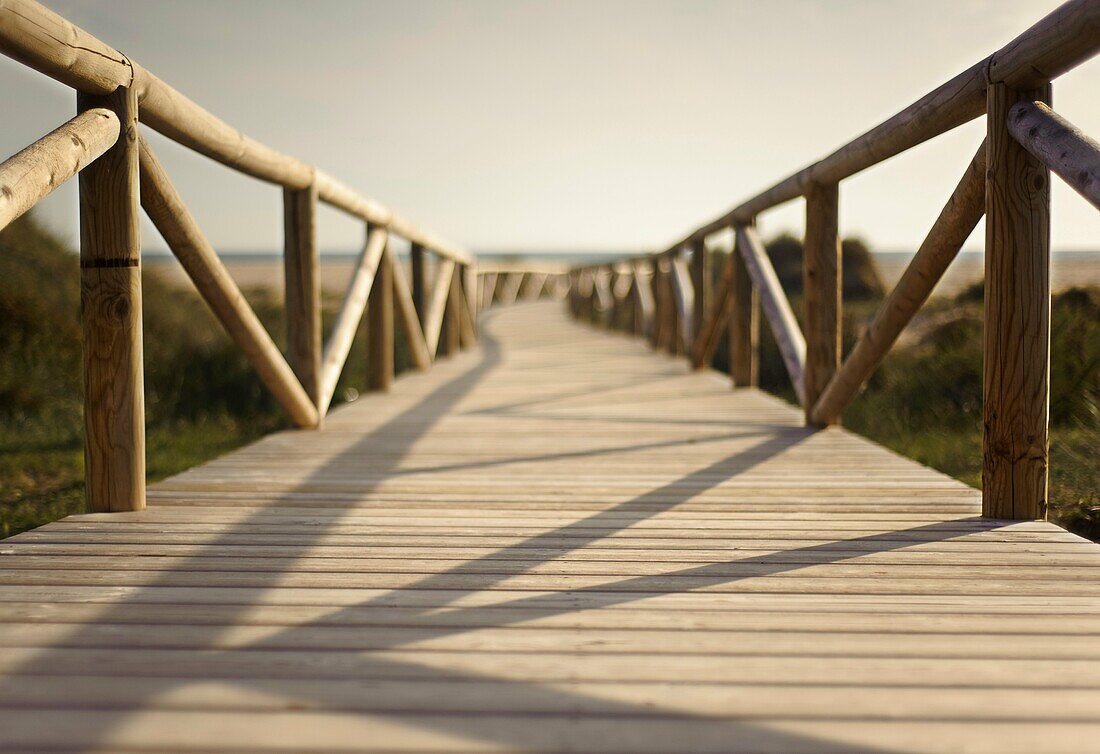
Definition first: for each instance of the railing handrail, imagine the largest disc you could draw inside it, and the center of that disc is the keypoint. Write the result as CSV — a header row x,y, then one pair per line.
x,y
1052,46
50,44
1007,181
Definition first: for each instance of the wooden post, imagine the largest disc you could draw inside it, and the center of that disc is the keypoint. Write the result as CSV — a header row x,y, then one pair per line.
x,y
821,288
469,299
674,344
700,281
418,260
110,299
656,325
380,327
1017,319
744,327
303,288
450,336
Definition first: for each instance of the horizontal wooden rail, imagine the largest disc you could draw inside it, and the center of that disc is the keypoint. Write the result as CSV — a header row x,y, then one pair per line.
x,y
1059,42
45,41
28,176
1060,146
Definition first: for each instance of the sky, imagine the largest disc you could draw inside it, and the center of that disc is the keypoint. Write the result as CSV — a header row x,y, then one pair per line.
x,y
566,125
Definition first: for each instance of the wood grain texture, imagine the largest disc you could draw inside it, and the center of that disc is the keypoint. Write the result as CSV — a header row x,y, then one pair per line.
x,y
556,541
821,292
380,327
301,260
1059,145
178,228
953,226
33,173
110,313
1017,319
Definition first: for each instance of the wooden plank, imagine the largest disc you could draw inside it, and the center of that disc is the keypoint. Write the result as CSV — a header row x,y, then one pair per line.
x,y
110,313
419,577
1016,394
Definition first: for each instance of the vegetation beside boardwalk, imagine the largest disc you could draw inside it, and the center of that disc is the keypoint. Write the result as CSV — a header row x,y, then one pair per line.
x,y
203,398
925,400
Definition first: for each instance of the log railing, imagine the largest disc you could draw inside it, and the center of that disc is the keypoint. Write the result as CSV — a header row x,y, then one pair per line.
x,y
1007,181
120,172
510,282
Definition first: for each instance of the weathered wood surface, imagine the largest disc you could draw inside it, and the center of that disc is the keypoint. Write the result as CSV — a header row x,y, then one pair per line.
x,y
32,173
1016,362
110,314
1060,145
555,542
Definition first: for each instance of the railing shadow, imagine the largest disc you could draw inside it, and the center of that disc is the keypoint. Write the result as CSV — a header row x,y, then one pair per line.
x,y
428,595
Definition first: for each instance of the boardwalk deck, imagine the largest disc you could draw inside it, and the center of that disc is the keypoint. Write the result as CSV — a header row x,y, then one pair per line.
x,y
558,541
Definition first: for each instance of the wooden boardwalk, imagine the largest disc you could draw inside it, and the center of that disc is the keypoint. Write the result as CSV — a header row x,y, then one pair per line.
x,y
558,541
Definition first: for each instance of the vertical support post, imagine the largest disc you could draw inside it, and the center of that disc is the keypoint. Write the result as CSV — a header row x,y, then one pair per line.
x,y
700,281
449,337
380,326
744,326
821,264
1017,319
110,298
301,261
418,261
469,296
674,343
656,329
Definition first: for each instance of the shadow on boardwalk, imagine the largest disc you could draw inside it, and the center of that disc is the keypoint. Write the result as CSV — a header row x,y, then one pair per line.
x,y
422,601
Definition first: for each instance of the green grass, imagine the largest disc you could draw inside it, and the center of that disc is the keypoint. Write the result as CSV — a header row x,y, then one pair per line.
x,y
925,401
202,397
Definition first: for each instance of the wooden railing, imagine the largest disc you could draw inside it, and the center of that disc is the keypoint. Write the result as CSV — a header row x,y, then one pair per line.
x,y
119,171
506,283
666,297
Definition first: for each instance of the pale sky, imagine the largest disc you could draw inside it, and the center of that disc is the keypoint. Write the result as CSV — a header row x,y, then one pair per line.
x,y
559,125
